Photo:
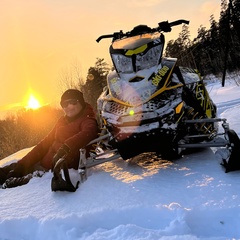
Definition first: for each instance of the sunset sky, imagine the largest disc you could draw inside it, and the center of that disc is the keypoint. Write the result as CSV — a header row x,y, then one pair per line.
x,y
42,39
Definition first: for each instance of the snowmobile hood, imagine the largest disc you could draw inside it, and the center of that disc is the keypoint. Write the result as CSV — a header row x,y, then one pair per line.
x,y
133,89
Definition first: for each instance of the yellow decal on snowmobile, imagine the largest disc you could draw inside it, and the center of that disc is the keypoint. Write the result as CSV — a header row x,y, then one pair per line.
x,y
158,77
111,98
179,107
104,121
167,76
137,50
120,102
203,97
164,88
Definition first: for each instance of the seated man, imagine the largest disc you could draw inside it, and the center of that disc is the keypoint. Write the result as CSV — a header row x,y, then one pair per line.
x,y
72,131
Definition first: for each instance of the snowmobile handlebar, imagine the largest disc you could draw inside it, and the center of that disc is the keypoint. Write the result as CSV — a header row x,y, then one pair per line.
x,y
164,26
178,22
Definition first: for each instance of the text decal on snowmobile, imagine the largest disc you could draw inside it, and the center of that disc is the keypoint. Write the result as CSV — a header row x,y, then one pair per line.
x,y
163,77
159,76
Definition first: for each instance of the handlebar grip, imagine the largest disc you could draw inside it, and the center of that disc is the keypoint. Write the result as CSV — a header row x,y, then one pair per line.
x,y
178,22
105,36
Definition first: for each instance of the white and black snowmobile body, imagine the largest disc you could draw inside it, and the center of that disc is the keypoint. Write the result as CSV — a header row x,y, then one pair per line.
x,y
149,97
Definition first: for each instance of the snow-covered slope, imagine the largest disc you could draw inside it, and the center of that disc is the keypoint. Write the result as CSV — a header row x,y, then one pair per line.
x,y
191,198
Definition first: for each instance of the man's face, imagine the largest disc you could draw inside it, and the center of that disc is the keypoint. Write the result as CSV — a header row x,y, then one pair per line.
x,y
71,107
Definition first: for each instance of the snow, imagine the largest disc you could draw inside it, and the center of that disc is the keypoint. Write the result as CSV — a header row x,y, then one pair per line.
x,y
143,199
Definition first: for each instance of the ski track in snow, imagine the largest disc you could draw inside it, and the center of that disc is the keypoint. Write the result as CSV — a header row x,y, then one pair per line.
x,y
144,198
222,107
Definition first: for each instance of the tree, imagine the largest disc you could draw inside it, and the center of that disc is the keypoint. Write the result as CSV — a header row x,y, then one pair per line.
x,y
26,128
235,33
179,48
236,17
71,77
95,82
199,49
173,49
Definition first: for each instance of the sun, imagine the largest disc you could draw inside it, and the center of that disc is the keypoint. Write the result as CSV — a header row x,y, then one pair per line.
x,y
33,103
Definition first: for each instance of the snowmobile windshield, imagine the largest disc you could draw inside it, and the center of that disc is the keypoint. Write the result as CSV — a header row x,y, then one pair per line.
x,y
136,53
131,43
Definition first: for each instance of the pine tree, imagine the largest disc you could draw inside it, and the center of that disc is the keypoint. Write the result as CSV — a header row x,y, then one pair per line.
x,y
95,82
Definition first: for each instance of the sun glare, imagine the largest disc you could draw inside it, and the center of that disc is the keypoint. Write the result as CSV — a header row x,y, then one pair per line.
x,y
33,103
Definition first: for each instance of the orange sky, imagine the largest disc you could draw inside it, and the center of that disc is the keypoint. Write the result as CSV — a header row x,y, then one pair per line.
x,y
41,39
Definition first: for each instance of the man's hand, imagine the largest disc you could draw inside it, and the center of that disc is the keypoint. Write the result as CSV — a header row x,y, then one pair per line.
x,y
62,151
18,171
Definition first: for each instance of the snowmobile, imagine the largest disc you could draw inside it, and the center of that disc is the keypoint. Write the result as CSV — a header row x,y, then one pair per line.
x,y
151,104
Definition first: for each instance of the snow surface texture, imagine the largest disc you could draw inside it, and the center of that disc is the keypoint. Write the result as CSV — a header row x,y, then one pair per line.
x,y
191,198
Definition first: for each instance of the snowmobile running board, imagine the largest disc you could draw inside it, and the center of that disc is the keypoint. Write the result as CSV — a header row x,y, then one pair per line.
x,y
216,142
205,120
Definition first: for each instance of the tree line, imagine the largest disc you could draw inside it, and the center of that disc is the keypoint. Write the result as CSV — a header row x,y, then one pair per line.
x,y
210,51
26,128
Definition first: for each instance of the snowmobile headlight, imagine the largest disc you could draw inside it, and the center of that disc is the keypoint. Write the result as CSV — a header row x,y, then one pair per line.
x,y
149,59
131,112
122,63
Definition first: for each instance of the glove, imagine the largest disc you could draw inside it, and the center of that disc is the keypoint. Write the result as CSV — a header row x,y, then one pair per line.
x,y
4,171
18,171
3,176
62,151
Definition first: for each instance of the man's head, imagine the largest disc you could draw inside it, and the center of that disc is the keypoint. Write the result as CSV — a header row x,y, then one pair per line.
x,y
72,102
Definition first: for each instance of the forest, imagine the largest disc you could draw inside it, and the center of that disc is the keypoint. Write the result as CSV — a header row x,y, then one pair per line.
x,y
213,51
